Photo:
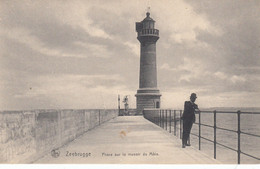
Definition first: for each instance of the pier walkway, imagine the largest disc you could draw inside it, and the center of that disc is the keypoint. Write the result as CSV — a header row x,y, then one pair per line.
x,y
127,140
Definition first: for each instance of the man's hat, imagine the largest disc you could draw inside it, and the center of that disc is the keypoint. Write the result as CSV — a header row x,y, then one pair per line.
x,y
193,95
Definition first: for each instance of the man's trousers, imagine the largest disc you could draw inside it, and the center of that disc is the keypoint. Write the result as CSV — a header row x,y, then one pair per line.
x,y
187,125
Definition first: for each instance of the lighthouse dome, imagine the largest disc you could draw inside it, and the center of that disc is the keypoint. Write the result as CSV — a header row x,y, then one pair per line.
x,y
148,18
148,22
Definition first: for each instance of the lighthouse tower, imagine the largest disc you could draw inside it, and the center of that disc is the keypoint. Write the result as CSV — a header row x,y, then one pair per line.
x,y
148,96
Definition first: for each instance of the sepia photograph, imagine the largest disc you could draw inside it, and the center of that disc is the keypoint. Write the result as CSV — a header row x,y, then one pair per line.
x,y
170,82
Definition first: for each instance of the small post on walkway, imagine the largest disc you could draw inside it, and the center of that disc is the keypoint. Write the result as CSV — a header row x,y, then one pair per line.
x,y
215,134
170,121
238,137
180,125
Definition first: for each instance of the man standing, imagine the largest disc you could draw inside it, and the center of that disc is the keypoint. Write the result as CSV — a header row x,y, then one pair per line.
x,y
188,118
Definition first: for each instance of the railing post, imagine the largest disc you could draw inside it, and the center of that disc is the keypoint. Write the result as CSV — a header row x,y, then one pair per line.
x,y
170,121
163,119
180,125
174,120
99,117
238,137
166,120
215,132
156,119
160,118
199,131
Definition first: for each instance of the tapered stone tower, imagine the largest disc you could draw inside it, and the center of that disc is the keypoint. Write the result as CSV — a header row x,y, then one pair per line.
x,y
148,96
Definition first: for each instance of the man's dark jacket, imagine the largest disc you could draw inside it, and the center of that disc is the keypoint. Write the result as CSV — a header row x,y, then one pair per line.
x,y
189,111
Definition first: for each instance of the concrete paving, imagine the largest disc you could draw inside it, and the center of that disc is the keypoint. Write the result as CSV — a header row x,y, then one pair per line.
x,y
127,140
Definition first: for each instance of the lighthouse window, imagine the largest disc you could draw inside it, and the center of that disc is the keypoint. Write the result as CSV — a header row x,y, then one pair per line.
x,y
151,25
157,104
146,25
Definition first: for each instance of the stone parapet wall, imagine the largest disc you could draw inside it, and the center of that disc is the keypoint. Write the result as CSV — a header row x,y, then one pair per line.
x,y
27,135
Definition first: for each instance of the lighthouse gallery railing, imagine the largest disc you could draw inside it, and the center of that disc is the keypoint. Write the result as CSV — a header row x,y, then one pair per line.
x,y
169,118
145,32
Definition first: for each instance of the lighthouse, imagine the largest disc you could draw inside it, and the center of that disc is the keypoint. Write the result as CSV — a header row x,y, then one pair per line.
x,y
148,95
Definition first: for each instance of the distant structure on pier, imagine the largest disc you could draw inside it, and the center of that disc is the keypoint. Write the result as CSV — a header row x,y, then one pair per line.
x,y
148,96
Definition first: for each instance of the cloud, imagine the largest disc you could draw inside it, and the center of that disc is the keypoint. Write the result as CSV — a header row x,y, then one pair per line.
x,y
236,79
220,61
182,21
23,36
221,75
166,66
133,47
97,50
46,86
51,29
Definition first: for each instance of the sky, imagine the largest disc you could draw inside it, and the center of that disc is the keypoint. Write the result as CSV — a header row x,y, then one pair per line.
x,y
81,54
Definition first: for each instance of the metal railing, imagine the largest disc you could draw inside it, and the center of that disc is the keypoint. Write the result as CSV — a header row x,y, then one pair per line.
x,y
153,32
170,120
